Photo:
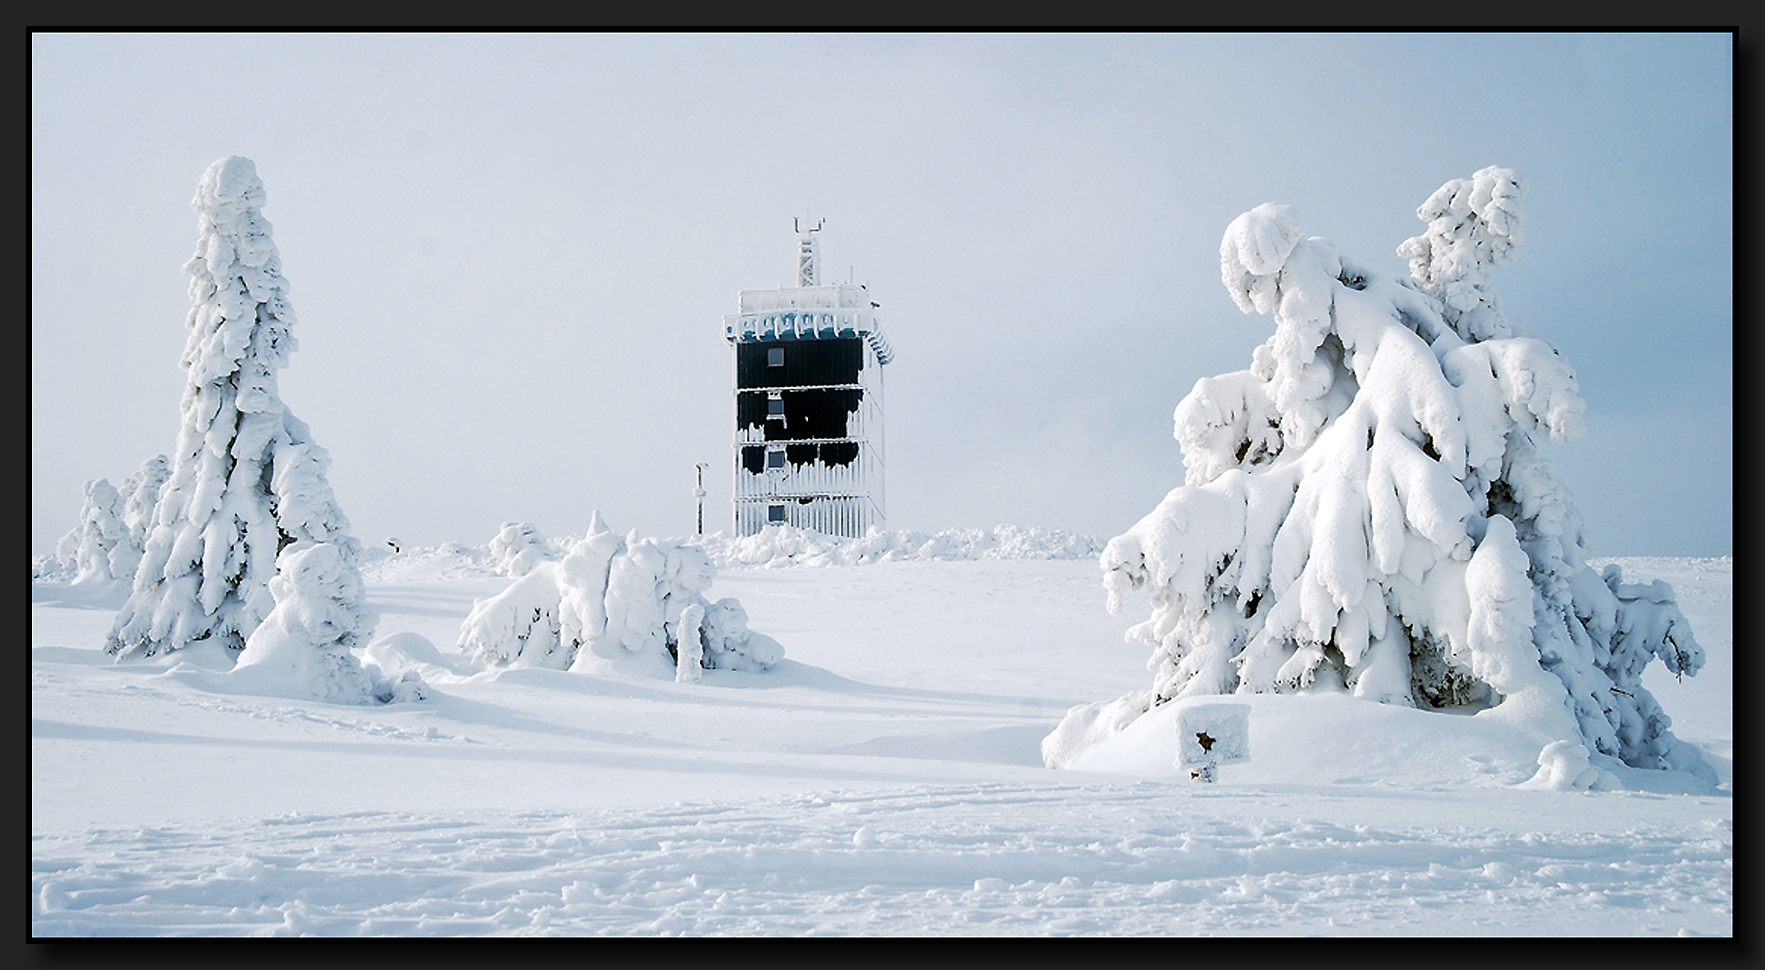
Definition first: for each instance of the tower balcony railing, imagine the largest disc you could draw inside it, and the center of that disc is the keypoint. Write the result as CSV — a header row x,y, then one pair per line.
x,y
847,295
788,315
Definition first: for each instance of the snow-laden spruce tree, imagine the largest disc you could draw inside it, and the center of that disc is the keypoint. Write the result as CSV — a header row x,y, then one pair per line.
x,y
1366,509
246,480
140,494
628,602
106,546
518,547
99,548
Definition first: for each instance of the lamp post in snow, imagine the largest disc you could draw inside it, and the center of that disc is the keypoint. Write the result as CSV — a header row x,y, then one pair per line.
x,y
699,493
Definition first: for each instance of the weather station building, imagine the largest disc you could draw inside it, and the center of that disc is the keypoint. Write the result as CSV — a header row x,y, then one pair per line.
x,y
808,403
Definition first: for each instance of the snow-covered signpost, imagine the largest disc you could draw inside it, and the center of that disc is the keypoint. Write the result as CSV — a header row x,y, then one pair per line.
x,y
1210,735
1367,509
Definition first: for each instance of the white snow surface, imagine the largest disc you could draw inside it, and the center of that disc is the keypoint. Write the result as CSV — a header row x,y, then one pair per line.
x,y
885,779
785,545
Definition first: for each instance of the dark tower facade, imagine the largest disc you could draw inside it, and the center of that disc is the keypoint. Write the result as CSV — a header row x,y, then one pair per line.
x,y
808,405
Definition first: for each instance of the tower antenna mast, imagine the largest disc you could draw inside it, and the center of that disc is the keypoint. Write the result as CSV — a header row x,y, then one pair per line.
x,y
808,253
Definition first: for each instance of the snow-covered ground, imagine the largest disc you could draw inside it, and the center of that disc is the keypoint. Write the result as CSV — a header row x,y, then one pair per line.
x,y
884,779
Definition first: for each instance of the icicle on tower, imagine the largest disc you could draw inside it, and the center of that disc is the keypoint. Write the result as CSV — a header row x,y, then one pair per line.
x,y
808,403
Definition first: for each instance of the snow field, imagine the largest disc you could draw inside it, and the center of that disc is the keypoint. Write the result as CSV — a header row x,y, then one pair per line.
x,y
884,779
1140,859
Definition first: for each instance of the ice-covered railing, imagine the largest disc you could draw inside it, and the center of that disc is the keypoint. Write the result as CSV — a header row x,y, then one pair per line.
x,y
808,297
808,313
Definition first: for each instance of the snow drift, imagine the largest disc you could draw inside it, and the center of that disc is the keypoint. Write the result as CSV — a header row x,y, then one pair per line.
x,y
1366,510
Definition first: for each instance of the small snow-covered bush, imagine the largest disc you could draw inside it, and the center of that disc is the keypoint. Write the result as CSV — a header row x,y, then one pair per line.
x,y
1367,509
619,600
303,647
520,623
518,548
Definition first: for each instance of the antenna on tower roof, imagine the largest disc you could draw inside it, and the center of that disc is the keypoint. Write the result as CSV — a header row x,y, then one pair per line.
x,y
808,254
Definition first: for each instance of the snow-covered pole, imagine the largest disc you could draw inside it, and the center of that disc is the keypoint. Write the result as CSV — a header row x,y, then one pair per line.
x,y
699,493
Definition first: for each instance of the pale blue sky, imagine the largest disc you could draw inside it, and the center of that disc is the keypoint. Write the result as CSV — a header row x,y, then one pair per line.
x,y
510,254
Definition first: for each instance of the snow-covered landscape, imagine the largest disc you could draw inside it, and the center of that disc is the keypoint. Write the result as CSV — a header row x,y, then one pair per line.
x,y
244,721
1357,670
884,779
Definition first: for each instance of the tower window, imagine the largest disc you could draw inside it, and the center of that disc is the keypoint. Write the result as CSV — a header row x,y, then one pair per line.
x,y
775,458
775,513
775,405
775,357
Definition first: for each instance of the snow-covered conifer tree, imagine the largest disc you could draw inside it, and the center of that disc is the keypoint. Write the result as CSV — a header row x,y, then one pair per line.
x,y
140,494
246,480
99,547
518,548
621,600
106,546
1366,509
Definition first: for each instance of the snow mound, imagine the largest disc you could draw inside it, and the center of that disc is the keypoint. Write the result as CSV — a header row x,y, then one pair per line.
x,y
785,545
1336,739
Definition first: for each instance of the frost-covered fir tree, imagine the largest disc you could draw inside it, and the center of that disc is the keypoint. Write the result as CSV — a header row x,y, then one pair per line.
x,y
106,546
99,548
1366,509
518,547
246,480
140,494
627,602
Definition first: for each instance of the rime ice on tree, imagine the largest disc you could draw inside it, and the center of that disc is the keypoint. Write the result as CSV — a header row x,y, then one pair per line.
x,y
634,602
304,645
1366,508
106,546
246,480
518,547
